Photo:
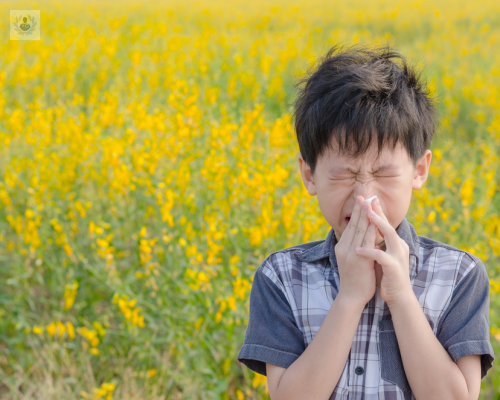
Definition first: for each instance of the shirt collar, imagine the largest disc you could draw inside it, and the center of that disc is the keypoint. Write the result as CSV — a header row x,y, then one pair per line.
x,y
326,249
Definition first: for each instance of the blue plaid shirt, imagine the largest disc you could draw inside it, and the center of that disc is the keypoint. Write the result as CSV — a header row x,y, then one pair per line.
x,y
293,290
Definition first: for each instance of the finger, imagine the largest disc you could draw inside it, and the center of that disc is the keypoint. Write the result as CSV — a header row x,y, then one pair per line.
x,y
362,226
390,235
348,234
374,254
378,208
369,239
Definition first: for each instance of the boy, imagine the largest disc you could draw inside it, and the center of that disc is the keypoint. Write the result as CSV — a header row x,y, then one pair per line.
x,y
375,311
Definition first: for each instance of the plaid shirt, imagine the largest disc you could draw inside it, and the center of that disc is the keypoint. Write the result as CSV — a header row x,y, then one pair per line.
x,y
293,290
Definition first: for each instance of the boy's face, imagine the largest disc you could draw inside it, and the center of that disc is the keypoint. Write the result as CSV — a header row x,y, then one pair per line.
x,y
338,180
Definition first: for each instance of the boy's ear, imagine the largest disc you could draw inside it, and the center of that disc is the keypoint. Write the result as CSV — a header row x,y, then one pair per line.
x,y
307,177
422,170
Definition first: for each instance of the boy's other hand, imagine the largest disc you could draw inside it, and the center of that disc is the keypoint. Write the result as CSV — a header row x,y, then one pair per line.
x,y
395,262
357,273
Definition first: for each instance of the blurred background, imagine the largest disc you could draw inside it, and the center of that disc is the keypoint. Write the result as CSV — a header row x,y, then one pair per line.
x,y
148,165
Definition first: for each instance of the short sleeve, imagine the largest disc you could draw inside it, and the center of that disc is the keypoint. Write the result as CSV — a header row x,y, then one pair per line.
x,y
272,334
464,327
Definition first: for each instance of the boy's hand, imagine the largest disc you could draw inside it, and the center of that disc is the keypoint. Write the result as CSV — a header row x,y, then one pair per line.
x,y
395,261
378,268
357,273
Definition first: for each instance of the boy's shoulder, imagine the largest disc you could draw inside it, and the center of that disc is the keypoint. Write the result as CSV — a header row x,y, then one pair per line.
x,y
289,252
464,260
430,244
286,268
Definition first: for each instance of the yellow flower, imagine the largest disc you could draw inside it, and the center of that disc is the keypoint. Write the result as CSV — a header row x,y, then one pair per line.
x,y
218,316
70,294
258,380
478,213
108,386
61,328
202,277
51,329
37,330
71,330
240,287
231,301
198,323
467,192
151,373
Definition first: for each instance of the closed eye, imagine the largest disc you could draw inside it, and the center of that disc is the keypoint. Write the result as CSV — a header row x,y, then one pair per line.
x,y
352,177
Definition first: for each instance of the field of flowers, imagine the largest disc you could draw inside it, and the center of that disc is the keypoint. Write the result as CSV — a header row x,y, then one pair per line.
x,y
148,165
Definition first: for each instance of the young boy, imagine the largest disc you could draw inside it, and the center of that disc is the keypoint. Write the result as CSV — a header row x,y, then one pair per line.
x,y
403,317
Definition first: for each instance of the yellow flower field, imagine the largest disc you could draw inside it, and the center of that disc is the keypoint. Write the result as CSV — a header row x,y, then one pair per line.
x,y
148,165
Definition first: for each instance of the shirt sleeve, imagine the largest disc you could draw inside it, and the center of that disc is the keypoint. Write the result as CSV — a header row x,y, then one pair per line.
x,y
464,327
272,334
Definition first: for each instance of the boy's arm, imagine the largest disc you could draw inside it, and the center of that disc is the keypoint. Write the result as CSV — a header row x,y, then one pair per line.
x,y
430,371
462,335
316,372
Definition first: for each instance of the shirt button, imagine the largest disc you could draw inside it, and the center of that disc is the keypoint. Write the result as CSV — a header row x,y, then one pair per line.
x,y
359,370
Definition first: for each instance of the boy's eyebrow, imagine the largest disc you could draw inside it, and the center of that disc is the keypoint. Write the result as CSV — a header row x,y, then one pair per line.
x,y
348,168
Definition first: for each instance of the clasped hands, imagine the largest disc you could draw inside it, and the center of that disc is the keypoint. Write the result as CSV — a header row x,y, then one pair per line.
x,y
363,265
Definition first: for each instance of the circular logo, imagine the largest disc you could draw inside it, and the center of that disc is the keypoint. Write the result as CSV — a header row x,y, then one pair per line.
x,y
24,23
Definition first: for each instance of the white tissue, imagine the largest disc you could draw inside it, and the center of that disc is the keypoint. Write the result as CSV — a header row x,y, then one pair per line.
x,y
370,199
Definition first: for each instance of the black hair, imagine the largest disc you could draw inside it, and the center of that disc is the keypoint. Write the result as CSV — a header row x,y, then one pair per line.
x,y
358,92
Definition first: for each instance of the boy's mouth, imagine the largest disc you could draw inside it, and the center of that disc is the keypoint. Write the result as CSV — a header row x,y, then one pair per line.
x,y
348,218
